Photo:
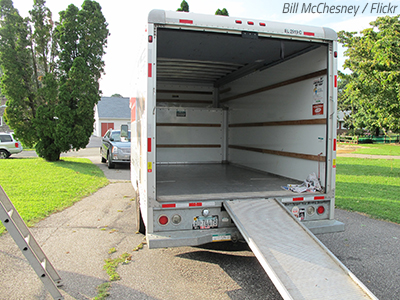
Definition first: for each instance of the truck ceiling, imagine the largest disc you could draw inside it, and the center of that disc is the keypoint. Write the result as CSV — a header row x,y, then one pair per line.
x,y
219,58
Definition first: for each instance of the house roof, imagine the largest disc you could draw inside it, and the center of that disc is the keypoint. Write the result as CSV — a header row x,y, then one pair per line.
x,y
114,108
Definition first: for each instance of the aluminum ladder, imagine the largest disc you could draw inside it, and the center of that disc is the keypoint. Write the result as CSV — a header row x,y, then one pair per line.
x,y
298,264
29,247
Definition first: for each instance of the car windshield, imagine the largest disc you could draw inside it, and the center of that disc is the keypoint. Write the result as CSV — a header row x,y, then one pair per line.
x,y
116,136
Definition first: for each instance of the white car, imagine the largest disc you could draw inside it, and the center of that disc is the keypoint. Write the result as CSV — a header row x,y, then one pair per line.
x,y
9,145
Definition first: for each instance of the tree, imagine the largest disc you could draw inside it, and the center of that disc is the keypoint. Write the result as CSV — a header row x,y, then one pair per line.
x,y
117,96
184,6
222,12
53,84
17,82
373,87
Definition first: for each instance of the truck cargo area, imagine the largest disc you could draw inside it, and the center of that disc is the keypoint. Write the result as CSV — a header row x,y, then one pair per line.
x,y
188,182
239,115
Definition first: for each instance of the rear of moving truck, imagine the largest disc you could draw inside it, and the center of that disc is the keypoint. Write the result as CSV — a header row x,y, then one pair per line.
x,y
231,108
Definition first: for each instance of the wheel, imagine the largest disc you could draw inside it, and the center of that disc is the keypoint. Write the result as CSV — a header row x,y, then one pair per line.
x,y
4,154
110,164
140,227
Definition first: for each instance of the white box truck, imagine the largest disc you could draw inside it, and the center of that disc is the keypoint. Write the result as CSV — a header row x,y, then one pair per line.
x,y
231,115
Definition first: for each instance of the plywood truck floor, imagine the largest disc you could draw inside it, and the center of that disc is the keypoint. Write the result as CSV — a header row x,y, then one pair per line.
x,y
190,182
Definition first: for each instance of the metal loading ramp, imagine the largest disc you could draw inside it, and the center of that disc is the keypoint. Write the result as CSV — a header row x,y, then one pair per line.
x,y
298,264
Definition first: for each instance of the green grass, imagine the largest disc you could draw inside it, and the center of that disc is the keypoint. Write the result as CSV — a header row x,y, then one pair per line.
x,y
379,149
370,186
374,149
38,188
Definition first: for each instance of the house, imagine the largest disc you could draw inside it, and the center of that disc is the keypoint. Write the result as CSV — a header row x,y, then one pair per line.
x,y
111,112
3,125
340,122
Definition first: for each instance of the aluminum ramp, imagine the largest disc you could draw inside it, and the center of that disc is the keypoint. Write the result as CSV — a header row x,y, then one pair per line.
x,y
298,264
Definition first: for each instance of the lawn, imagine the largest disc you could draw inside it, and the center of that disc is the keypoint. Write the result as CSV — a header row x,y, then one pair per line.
x,y
379,149
373,149
38,188
370,186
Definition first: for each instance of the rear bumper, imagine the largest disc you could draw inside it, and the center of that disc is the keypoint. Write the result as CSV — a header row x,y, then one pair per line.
x,y
121,161
191,237
324,226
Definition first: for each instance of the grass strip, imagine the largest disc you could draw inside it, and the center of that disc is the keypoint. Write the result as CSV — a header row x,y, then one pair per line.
x,y
375,149
111,265
38,188
369,186
379,149
103,291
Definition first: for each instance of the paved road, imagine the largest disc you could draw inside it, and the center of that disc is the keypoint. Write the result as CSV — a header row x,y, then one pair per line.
x,y
78,239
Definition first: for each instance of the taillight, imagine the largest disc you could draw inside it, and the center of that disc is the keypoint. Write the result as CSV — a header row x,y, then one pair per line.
x,y
163,220
16,145
320,210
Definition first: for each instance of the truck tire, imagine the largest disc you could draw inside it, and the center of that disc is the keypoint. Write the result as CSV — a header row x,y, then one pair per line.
x,y
140,227
110,164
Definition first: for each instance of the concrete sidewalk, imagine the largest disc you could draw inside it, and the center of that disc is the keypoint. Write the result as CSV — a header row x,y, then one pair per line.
x,y
76,241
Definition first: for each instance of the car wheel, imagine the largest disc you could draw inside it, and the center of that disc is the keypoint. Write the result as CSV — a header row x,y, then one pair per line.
x,y
110,164
4,154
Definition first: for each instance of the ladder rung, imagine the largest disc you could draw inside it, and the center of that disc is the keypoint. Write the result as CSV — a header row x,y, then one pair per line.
x,y
28,239
44,264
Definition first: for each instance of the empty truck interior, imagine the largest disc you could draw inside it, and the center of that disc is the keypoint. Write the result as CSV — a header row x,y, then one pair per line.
x,y
240,115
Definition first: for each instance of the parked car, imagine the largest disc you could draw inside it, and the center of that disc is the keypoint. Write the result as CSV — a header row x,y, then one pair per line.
x,y
115,149
9,145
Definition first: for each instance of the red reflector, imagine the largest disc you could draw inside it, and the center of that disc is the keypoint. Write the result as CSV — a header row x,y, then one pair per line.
x,y
335,80
298,199
319,198
169,205
320,210
163,220
335,54
263,24
186,21
238,22
195,204
309,33
250,22
149,70
150,38
334,144
149,145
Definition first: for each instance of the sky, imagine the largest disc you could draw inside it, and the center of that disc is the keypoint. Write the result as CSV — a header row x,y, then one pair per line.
x,y
127,21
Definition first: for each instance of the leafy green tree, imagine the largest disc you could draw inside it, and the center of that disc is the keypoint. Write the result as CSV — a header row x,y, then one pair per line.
x,y
184,6
372,91
51,74
17,82
222,12
117,96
